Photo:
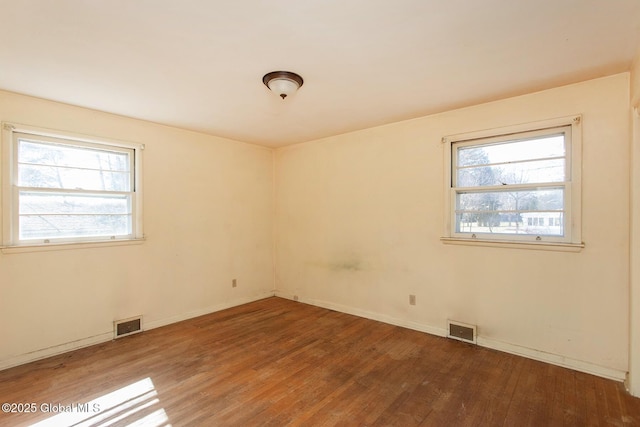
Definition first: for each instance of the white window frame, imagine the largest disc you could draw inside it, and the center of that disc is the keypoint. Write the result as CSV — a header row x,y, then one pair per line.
x,y
572,238
10,203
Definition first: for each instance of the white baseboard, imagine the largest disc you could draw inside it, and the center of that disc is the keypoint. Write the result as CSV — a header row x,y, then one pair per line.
x,y
55,350
108,336
218,307
554,359
368,315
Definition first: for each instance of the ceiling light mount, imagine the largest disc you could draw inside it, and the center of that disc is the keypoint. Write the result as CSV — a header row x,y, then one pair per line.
x,y
284,83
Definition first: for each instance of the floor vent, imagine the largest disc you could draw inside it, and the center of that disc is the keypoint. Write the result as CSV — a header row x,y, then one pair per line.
x,y
124,327
461,331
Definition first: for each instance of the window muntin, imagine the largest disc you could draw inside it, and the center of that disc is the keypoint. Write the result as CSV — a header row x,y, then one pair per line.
x,y
70,190
513,187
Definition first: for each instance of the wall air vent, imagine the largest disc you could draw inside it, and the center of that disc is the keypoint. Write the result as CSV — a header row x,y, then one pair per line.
x,y
461,331
124,327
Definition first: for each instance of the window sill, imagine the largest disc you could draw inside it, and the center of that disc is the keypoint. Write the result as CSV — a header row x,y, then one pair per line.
x,y
66,246
541,246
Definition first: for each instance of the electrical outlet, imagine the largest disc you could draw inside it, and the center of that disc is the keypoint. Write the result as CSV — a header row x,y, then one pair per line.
x,y
412,300
234,283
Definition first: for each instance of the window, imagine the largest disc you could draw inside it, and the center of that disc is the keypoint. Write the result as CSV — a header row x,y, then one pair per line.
x,y
519,184
66,189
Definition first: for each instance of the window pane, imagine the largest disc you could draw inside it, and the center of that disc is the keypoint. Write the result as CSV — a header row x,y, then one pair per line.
x,y
533,172
527,223
76,179
51,165
57,215
510,151
43,153
57,203
545,199
65,226
536,211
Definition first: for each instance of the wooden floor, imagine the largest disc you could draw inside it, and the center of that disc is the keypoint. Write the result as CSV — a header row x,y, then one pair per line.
x,y
277,362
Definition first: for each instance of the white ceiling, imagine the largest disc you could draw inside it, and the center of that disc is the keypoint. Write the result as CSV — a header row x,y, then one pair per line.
x,y
198,64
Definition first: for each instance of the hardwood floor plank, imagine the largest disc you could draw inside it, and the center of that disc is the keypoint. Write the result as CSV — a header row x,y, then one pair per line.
x,y
277,362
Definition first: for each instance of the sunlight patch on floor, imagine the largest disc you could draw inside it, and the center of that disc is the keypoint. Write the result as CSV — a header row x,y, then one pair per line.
x,y
129,405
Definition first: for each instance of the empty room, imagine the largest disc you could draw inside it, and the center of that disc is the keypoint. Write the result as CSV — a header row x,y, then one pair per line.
x,y
320,213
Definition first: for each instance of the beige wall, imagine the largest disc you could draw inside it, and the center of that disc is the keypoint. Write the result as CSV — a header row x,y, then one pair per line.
x,y
208,218
360,216
635,81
